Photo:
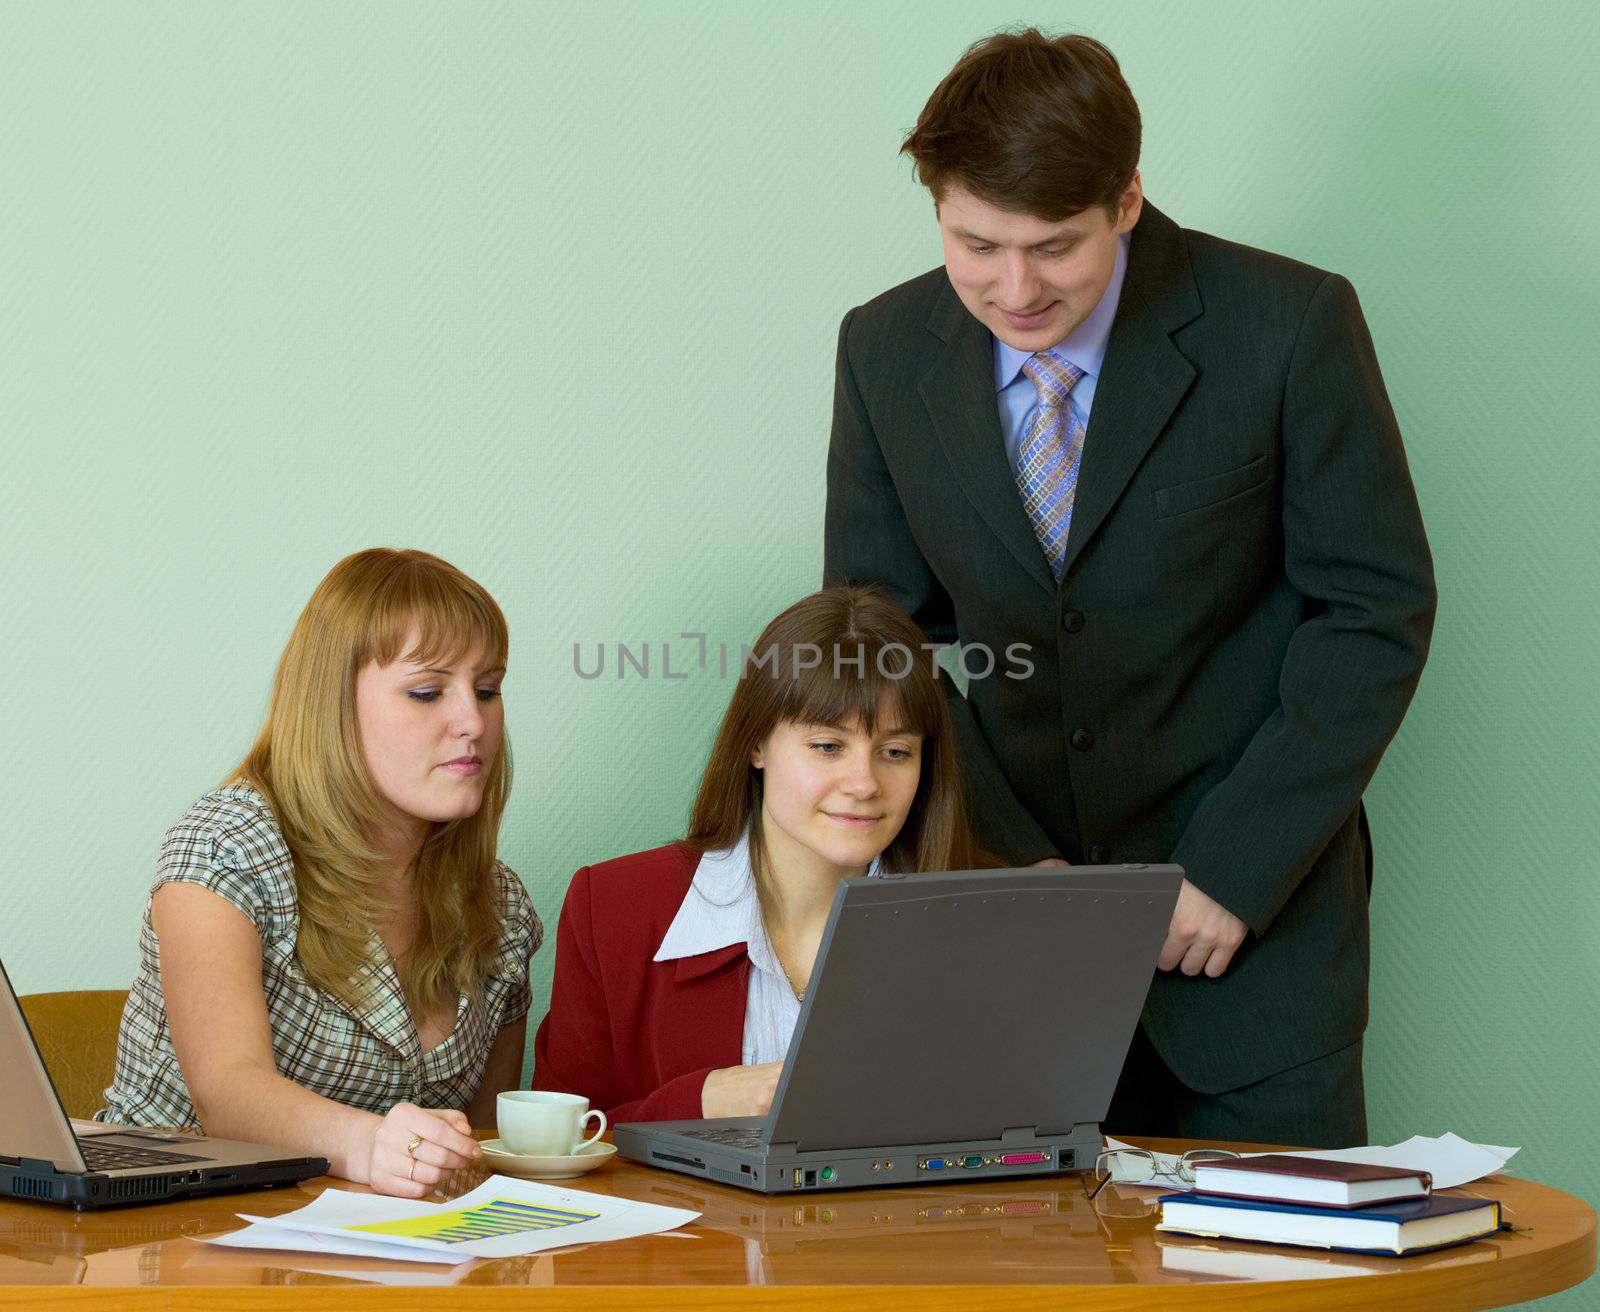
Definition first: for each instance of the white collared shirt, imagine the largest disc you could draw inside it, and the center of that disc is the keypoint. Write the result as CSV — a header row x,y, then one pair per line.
x,y
720,909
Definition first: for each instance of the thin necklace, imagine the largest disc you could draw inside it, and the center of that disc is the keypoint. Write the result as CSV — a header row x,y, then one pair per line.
x,y
799,993
761,904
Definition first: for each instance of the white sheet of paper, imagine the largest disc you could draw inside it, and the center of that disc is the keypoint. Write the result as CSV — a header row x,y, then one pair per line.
x,y
262,1233
323,1225
268,1236
1450,1159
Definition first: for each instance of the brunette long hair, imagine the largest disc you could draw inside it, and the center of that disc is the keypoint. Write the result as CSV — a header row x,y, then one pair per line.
x,y
838,655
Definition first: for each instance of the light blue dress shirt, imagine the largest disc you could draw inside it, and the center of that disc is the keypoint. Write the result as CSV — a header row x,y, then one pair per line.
x,y
721,909
1084,346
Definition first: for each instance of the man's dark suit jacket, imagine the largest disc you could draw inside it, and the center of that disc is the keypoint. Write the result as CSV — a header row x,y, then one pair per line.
x,y
1244,615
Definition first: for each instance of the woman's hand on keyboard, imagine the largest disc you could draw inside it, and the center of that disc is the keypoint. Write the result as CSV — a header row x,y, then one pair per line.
x,y
740,1090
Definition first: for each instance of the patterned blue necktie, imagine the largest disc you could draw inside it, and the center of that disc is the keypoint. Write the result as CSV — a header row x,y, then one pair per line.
x,y
1048,459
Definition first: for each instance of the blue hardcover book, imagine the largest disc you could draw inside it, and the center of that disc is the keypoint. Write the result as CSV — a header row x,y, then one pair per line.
x,y
1416,1225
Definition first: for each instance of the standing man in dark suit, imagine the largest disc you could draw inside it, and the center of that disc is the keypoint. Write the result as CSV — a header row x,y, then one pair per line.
x,y
1165,467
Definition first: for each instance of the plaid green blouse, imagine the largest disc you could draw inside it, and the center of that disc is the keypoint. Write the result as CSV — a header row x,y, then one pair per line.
x,y
369,1057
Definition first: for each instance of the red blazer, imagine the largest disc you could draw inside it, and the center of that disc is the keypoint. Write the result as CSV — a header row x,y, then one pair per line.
x,y
637,1037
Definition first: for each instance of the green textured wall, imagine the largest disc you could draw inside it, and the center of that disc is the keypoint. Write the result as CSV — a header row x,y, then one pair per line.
x,y
554,293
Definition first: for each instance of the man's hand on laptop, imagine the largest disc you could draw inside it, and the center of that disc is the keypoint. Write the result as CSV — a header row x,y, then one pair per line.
x,y
1203,935
414,1148
740,1090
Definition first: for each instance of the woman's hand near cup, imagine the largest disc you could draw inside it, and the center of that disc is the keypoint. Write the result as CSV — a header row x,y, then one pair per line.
x,y
740,1090
444,1144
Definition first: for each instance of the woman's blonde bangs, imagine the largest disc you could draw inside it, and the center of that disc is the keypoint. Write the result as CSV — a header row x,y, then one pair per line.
x,y
443,619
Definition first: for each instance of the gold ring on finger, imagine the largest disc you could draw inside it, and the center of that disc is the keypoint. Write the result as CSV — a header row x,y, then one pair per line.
x,y
411,1145
411,1171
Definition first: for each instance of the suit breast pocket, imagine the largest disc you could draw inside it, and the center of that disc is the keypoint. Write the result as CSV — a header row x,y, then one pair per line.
x,y
1213,490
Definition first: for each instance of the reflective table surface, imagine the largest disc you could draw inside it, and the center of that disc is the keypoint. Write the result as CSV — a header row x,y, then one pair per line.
x,y
1015,1244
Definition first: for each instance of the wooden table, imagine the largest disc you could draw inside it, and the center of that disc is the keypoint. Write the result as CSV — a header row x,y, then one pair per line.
x,y
1012,1245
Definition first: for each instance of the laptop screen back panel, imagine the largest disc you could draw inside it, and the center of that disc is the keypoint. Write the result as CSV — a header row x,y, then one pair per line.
x,y
34,1125
955,1006
50,1160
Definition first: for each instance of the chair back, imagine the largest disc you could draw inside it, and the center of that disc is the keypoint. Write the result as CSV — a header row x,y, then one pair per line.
x,y
77,1037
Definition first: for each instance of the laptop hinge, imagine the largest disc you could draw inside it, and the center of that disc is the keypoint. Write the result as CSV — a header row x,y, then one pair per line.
x,y
1019,1134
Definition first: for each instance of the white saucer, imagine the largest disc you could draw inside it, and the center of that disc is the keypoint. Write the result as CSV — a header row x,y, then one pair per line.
x,y
497,1155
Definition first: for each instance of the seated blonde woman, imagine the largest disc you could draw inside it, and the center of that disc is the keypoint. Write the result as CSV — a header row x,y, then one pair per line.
x,y
332,958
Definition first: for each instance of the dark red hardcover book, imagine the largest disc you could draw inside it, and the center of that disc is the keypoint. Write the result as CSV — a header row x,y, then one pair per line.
x,y
1287,1178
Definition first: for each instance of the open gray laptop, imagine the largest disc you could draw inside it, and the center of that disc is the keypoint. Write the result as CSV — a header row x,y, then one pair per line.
x,y
43,1160
961,1025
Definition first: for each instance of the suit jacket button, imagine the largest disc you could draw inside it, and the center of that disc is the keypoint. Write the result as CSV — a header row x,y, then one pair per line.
x,y
1072,621
1099,854
1082,740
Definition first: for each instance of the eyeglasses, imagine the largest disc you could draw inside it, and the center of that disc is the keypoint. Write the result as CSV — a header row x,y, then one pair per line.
x,y
1139,1166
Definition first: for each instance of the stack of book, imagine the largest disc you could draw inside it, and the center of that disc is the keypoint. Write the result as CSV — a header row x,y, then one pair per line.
x,y
1353,1207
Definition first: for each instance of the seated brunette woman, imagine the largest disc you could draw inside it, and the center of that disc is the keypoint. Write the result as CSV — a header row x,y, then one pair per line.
x,y
679,971
332,958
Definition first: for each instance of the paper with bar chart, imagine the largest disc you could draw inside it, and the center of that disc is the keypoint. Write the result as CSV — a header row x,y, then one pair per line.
x,y
502,1217
498,1216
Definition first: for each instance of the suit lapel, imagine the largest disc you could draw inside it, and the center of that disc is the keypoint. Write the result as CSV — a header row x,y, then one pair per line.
x,y
960,396
1143,379
1144,375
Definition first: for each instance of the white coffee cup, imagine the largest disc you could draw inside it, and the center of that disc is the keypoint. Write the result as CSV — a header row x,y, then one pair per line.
x,y
538,1123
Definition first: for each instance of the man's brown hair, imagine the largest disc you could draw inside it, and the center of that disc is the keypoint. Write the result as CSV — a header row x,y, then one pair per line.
x,y
1034,124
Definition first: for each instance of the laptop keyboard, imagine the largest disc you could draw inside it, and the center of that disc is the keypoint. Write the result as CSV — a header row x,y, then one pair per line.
x,y
739,1137
116,1157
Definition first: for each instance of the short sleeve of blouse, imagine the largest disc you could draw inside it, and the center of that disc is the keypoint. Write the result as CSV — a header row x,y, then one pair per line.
x,y
521,934
229,842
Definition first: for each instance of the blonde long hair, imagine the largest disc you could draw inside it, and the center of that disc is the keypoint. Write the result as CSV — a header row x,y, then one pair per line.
x,y
307,762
